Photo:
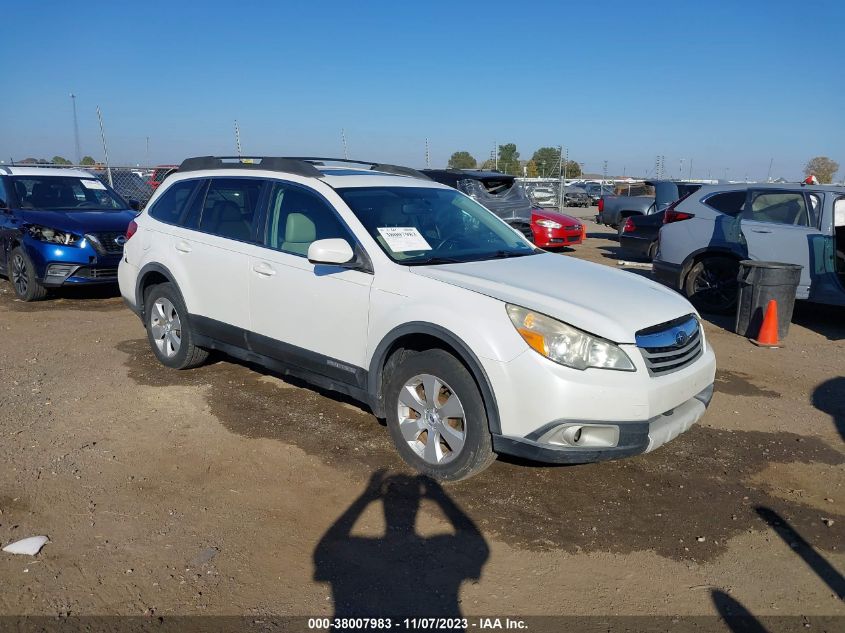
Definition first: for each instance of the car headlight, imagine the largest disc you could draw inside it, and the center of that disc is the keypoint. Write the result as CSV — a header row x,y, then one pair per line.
x,y
549,224
53,236
565,344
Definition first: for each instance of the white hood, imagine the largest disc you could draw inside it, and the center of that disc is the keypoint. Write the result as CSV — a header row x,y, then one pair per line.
x,y
610,303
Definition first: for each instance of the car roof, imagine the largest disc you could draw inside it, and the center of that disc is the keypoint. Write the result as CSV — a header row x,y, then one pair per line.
x,y
44,171
774,186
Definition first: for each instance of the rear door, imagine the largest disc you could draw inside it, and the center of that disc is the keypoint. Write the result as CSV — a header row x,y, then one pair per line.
x,y
780,225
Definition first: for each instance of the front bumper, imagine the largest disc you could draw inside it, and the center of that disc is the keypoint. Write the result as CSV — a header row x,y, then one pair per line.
x,y
58,265
668,274
554,238
632,438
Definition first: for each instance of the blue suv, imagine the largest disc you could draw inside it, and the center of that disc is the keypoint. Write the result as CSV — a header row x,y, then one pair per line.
x,y
59,227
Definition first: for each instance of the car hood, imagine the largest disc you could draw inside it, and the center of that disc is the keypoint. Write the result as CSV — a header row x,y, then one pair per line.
x,y
562,218
609,303
80,222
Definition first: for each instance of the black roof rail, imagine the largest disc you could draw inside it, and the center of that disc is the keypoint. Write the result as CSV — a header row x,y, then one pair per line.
x,y
295,166
398,170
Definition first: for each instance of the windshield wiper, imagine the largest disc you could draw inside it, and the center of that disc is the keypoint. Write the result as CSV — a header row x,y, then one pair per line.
x,y
436,260
507,254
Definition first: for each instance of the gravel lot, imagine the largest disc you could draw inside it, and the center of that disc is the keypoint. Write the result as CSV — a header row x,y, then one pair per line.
x,y
225,490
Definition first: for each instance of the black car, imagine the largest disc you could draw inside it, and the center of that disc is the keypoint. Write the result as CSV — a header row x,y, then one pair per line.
x,y
576,197
638,237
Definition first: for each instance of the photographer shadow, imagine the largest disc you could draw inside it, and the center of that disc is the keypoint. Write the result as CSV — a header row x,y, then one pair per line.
x,y
401,574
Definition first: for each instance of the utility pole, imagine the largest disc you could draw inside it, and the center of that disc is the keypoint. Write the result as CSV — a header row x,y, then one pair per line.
x,y
496,155
427,156
561,199
237,138
604,171
105,146
343,141
75,130
769,175
147,155
690,169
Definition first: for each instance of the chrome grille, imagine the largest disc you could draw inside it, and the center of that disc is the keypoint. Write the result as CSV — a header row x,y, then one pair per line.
x,y
670,346
110,243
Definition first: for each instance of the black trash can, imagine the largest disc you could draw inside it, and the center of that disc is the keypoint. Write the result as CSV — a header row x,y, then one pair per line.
x,y
759,282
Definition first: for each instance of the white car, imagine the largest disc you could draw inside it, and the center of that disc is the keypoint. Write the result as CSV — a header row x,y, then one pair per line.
x,y
408,295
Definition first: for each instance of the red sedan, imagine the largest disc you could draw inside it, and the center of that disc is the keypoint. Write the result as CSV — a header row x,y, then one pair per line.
x,y
554,230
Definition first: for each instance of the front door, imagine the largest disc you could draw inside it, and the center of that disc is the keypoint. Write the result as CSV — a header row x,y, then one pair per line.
x,y
779,225
311,316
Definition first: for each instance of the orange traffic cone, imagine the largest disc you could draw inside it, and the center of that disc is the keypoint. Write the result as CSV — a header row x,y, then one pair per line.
x,y
768,335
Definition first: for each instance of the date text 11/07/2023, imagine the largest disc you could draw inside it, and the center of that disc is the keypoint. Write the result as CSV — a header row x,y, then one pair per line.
x,y
416,624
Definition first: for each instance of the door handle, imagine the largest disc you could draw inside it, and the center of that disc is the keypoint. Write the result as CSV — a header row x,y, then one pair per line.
x,y
183,247
264,270
761,231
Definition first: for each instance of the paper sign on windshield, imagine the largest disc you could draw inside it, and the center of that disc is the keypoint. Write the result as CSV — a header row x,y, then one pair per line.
x,y
93,184
404,238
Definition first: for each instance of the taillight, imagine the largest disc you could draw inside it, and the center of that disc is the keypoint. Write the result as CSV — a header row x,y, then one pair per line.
x,y
601,205
671,215
629,226
130,230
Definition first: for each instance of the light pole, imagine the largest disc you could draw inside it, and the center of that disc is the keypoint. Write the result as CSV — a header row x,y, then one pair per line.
x,y
75,130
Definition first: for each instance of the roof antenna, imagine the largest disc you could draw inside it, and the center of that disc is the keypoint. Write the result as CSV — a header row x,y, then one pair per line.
x,y
238,138
343,140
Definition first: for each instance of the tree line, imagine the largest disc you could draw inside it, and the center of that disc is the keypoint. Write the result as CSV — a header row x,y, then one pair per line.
x,y
56,160
544,163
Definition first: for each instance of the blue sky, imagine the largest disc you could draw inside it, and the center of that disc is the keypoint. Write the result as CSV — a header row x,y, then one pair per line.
x,y
728,85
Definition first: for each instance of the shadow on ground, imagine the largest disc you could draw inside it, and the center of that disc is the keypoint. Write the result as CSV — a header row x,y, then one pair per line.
x,y
400,574
683,501
99,298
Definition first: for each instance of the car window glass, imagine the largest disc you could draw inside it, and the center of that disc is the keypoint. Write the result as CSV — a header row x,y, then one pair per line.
x,y
4,200
729,202
297,217
229,207
171,206
815,208
839,212
778,207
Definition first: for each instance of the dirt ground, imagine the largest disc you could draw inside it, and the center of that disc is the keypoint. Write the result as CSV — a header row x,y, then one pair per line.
x,y
225,490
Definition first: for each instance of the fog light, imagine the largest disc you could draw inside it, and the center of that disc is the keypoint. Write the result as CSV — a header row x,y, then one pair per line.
x,y
60,270
583,435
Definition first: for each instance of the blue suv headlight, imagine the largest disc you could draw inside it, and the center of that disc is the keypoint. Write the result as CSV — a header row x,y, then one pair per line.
x,y
52,236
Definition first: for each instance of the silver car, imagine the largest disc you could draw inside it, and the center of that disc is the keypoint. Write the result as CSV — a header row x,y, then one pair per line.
x,y
705,235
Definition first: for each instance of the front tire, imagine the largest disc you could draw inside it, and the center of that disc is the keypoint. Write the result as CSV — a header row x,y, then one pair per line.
x,y
22,275
436,416
169,330
711,285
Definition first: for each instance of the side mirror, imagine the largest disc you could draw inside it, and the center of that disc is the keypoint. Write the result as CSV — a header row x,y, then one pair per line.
x,y
334,251
134,204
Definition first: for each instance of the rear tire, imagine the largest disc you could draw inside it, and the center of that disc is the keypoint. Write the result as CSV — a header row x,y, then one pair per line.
x,y
169,330
22,275
443,434
711,285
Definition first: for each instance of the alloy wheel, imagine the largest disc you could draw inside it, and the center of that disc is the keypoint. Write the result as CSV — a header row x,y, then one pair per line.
x,y
431,419
20,275
166,327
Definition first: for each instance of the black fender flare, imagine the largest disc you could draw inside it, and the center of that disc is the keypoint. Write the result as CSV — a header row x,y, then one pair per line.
x,y
465,354
707,251
139,293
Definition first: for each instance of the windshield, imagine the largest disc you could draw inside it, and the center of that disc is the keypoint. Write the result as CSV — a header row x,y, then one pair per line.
x,y
65,192
432,226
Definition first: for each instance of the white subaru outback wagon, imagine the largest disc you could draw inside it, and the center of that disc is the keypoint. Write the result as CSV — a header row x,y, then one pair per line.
x,y
374,281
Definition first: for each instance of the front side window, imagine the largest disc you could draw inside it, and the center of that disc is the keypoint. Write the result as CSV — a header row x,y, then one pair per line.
x,y
432,226
230,207
61,193
728,202
297,217
777,207
172,206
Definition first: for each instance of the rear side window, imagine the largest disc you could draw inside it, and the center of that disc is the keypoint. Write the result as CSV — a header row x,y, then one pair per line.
x,y
778,207
4,199
729,202
172,206
230,207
